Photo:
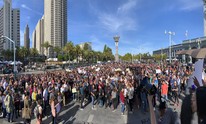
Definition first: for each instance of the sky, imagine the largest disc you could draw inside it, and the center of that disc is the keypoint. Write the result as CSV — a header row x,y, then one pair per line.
x,y
141,24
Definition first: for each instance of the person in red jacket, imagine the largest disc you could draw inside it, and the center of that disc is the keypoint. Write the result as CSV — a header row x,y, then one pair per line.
x,y
122,101
164,90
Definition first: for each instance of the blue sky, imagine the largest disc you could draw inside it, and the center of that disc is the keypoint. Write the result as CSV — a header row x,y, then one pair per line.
x,y
139,23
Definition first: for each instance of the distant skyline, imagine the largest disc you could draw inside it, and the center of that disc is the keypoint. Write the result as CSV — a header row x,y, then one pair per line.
x,y
139,23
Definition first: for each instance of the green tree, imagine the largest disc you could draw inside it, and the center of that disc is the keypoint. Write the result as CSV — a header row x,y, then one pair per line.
x,y
86,51
78,52
34,52
57,50
107,53
46,45
7,54
69,50
23,52
127,57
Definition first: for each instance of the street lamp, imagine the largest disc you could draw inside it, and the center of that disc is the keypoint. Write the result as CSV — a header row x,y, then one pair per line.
x,y
116,40
14,51
170,33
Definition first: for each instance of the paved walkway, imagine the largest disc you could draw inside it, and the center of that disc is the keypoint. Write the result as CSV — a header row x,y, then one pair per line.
x,y
71,114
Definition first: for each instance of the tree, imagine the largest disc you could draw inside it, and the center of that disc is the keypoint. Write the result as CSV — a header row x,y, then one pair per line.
x,y
46,45
69,50
78,52
23,52
57,50
107,53
34,52
127,57
7,54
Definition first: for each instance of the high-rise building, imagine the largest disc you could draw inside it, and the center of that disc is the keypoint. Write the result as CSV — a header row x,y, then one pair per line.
x,y
15,26
38,36
34,39
55,22
9,25
204,8
26,37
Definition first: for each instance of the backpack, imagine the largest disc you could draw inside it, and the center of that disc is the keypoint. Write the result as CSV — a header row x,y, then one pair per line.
x,y
36,111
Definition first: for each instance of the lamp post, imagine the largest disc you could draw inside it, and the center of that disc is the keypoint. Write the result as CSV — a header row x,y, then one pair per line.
x,y
14,51
170,33
116,40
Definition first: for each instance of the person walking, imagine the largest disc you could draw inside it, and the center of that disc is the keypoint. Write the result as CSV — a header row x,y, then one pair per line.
x,y
114,99
9,103
122,101
175,93
26,113
164,90
53,110
82,94
39,112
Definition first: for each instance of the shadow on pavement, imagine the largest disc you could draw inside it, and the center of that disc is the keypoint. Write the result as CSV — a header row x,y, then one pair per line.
x,y
66,116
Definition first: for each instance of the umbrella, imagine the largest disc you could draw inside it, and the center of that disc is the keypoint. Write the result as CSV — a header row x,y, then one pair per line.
x,y
18,62
199,53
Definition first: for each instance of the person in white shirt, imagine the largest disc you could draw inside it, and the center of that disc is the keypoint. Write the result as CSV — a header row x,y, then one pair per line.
x,y
130,96
45,99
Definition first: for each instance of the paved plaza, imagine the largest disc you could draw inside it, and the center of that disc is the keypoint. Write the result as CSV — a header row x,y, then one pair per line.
x,y
71,114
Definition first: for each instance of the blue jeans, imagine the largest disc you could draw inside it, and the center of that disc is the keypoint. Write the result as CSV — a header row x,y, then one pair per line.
x,y
122,107
4,112
10,116
54,120
92,101
101,102
144,105
74,96
165,97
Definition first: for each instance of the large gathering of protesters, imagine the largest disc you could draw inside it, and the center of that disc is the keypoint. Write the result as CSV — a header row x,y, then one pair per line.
x,y
149,87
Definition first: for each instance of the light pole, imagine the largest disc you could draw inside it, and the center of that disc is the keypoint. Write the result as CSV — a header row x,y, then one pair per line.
x,y
170,33
116,40
14,51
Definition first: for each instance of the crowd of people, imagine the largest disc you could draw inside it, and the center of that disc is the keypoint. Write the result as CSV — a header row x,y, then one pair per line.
x,y
144,86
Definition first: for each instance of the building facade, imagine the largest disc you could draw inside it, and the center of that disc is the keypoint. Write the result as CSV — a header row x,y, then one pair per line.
x,y
55,23
26,38
15,27
9,25
38,36
185,45
204,11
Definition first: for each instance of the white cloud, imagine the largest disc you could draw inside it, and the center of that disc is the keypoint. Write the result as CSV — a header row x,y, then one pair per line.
x,y
190,4
28,8
115,23
126,7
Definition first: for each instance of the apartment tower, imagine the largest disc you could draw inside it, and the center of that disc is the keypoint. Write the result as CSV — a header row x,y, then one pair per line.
x,y
9,25
55,23
26,38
